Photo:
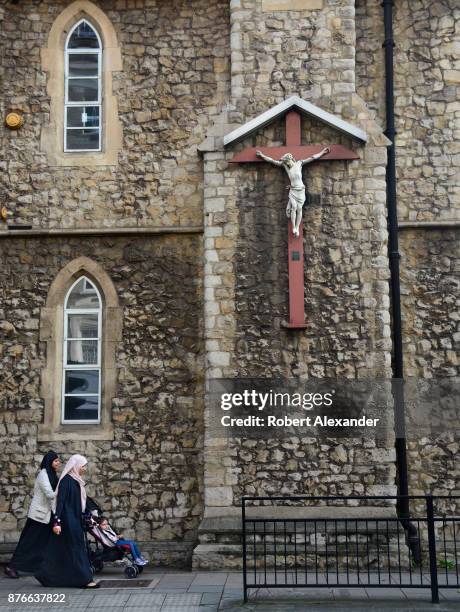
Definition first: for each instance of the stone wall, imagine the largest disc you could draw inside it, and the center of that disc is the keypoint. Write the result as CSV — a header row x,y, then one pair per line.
x,y
276,52
430,301
345,266
178,86
246,297
431,307
175,79
149,478
427,83
346,301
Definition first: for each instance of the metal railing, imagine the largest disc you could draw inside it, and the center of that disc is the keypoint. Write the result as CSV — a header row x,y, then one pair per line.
x,y
366,550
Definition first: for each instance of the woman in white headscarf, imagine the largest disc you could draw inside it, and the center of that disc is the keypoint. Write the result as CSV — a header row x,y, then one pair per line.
x,y
66,562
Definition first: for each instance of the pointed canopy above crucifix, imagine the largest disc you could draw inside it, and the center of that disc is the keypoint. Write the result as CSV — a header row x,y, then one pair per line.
x,y
295,103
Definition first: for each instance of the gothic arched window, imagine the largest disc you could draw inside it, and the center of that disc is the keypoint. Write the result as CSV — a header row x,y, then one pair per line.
x,y
80,59
83,89
81,325
81,378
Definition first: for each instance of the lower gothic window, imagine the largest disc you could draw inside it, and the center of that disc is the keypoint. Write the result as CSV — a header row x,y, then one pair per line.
x,y
81,379
81,325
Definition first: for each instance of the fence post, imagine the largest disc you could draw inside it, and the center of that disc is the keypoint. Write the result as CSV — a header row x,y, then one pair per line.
x,y
243,524
432,550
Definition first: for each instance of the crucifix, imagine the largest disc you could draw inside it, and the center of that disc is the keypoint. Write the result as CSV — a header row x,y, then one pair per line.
x,y
286,157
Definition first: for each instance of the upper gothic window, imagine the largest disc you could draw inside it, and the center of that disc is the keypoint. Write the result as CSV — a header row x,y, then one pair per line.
x,y
83,89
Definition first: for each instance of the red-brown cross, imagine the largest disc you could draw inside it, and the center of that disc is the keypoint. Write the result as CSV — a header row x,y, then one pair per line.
x,y
295,243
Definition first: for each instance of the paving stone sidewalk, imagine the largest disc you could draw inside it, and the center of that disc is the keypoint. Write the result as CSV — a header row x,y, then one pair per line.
x,y
182,591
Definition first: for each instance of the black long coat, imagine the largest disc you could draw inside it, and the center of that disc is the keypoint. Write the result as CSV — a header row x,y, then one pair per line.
x,y
66,562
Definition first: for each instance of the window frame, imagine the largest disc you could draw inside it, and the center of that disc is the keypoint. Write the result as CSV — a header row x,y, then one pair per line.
x,y
68,367
67,77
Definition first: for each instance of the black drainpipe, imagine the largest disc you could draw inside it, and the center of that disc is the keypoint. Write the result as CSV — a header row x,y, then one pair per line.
x,y
394,256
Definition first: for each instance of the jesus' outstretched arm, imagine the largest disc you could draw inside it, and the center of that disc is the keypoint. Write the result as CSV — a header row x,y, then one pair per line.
x,y
268,159
325,151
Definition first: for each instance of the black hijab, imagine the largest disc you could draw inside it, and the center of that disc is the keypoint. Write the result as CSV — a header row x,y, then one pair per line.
x,y
46,465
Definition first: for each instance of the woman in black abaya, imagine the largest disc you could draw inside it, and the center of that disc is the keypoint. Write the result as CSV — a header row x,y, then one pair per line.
x,y
37,531
66,562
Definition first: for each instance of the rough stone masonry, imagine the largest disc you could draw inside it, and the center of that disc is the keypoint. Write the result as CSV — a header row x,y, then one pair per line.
x,y
200,272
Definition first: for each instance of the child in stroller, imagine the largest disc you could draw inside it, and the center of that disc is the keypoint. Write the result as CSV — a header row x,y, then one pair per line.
x,y
107,546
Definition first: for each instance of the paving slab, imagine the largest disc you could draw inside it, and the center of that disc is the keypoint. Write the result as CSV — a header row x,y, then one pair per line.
x,y
181,591
138,600
165,583
210,598
342,593
97,609
107,600
21,608
188,599
352,606
177,578
205,588
450,595
180,608
209,579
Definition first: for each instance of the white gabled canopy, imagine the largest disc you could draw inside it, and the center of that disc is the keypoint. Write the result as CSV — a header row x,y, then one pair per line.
x,y
306,108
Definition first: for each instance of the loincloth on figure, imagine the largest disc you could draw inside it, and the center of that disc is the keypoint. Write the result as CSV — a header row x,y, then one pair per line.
x,y
296,199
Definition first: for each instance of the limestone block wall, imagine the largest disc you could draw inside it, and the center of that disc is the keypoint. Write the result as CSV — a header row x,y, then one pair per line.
x,y
347,309
431,303
427,85
427,89
149,478
278,49
346,303
174,80
431,306
283,48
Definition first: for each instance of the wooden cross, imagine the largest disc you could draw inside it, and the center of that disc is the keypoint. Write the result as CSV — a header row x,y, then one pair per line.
x,y
295,243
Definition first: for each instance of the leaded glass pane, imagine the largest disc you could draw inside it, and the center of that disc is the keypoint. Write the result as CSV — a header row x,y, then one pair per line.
x,y
81,381
82,326
83,295
83,116
82,352
80,140
83,90
81,408
83,64
83,37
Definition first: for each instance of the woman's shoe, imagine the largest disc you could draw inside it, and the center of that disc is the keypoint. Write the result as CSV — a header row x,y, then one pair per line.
x,y
92,585
11,572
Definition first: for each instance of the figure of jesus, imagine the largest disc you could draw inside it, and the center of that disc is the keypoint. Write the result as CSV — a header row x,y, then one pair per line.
x,y
297,188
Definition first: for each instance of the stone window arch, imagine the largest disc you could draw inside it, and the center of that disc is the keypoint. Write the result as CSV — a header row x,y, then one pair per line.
x,y
54,61
54,318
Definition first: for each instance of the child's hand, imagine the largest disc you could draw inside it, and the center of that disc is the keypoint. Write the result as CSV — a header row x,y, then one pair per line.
x,y
120,536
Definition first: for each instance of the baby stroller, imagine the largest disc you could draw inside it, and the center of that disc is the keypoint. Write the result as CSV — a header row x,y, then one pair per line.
x,y
99,554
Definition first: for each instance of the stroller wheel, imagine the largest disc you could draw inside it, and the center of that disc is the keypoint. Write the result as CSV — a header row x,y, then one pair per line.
x,y
140,569
131,571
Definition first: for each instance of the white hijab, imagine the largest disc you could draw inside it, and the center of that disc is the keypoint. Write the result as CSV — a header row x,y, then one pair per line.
x,y
72,468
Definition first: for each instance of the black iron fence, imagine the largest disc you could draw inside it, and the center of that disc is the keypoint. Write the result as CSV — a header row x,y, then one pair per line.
x,y
353,541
